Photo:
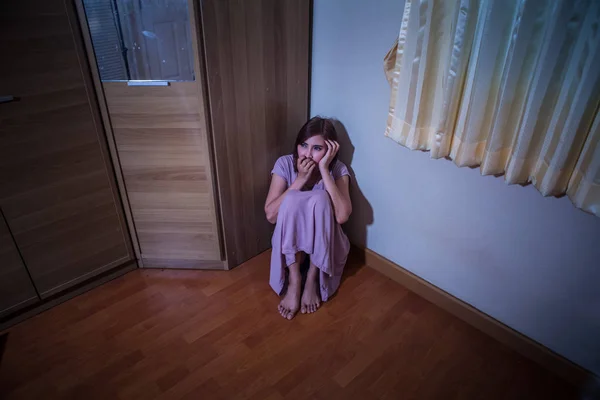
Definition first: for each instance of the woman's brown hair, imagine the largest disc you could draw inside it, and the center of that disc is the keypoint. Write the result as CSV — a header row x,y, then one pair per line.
x,y
315,126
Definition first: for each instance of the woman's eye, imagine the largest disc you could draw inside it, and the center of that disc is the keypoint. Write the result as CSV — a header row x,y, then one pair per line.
x,y
304,145
318,148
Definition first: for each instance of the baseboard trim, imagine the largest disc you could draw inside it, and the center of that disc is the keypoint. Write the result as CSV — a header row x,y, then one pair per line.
x,y
520,343
160,263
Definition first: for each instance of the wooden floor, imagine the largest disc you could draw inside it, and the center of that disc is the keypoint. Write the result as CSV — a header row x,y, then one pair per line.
x,y
217,335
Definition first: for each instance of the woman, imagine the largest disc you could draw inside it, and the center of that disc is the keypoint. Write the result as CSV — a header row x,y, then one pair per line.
x,y
308,200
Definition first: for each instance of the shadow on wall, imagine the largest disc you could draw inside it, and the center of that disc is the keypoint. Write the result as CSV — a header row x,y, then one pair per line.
x,y
362,212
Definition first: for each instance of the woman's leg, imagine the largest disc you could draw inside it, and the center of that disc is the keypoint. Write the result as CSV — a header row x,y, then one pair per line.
x,y
311,296
311,301
290,302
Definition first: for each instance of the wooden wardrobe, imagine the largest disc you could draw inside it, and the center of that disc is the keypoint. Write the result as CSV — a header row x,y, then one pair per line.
x,y
62,217
168,168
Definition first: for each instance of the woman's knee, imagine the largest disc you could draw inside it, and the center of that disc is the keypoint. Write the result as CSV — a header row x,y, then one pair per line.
x,y
291,199
321,200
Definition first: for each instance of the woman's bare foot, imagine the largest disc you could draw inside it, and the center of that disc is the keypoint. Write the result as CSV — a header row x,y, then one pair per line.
x,y
310,297
290,303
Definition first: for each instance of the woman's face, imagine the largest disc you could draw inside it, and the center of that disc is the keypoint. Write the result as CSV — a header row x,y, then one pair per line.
x,y
314,147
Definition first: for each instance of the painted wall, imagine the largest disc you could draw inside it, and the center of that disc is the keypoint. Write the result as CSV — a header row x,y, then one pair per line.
x,y
531,262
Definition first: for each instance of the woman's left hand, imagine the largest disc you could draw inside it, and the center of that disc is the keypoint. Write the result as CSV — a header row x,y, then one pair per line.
x,y
332,149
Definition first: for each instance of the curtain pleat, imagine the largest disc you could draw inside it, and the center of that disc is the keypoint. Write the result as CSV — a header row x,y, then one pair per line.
x,y
510,86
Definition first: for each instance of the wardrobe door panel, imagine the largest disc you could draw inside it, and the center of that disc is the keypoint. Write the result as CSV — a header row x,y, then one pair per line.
x,y
58,188
257,68
163,150
147,61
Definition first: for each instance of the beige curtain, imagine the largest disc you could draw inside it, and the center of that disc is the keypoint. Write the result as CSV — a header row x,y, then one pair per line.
x,y
510,86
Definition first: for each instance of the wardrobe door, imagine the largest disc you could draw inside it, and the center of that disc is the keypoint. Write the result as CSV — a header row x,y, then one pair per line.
x,y
147,60
16,289
58,190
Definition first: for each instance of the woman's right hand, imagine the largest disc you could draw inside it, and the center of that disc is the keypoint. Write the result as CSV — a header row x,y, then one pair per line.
x,y
306,167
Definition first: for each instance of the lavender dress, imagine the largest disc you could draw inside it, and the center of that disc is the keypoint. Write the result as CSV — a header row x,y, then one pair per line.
x,y
306,222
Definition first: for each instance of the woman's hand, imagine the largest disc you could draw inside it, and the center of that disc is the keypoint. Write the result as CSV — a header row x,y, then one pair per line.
x,y
306,167
332,149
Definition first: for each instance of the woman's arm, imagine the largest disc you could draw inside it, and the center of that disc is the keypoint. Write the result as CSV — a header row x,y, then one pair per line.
x,y
277,190
340,196
339,190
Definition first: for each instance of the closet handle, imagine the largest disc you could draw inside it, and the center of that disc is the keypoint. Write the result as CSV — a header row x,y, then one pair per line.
x,y
6,99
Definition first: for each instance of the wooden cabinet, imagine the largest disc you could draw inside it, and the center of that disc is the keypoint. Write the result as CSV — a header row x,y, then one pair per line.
x,y
58,191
